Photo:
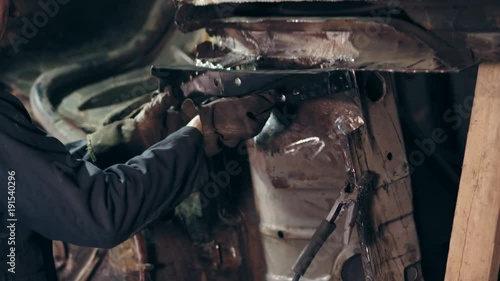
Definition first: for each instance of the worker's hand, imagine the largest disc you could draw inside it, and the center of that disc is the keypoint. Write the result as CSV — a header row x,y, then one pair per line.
x,y
124,139
228,121
158,119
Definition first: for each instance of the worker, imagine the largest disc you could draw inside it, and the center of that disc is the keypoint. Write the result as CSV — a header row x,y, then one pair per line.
x,y
54,192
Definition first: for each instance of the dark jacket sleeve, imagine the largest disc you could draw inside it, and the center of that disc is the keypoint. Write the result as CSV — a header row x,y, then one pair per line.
x,y
70,199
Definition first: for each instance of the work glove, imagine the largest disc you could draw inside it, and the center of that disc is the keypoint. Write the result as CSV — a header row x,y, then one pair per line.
x,y
228,121
124,139
158,119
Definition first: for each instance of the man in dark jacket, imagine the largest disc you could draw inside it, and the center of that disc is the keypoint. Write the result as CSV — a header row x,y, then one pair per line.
x,y
50,194
49,191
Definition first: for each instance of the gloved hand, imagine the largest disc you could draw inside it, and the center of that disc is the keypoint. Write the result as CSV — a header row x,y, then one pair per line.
x,y
158,119
124,139
228,121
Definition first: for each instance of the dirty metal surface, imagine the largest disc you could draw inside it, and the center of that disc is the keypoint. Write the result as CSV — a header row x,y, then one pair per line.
x,y
294,191
175,256
125,262
295,86
342,43
297,176
368,35
388,233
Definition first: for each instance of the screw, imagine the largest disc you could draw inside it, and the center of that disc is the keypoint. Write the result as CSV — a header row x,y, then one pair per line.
x,y
237,81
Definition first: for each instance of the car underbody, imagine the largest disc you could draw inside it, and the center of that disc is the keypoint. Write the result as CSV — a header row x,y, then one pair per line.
x,y
381,86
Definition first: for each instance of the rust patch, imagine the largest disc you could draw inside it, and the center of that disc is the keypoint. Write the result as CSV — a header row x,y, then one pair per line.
x,y
279,182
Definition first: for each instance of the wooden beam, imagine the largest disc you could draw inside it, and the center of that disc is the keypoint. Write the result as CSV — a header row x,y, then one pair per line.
x,y
474,246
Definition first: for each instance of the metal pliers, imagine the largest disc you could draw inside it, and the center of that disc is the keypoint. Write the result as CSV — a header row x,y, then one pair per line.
x,y
350,198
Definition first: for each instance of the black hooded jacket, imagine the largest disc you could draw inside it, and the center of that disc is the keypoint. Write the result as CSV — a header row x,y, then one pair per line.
x,y
49,192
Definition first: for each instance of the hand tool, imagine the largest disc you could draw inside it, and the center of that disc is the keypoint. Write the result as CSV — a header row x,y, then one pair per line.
x,y
351,197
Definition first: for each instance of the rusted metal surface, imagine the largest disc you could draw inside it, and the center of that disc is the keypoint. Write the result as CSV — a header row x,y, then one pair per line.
x,y
294,86
177,256
142,258
124,262
371,35
297,176
344,43
320,159
293,192
290,211
392,244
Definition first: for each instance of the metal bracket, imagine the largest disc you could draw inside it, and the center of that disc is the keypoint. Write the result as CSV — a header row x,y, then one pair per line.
x,y
295,86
